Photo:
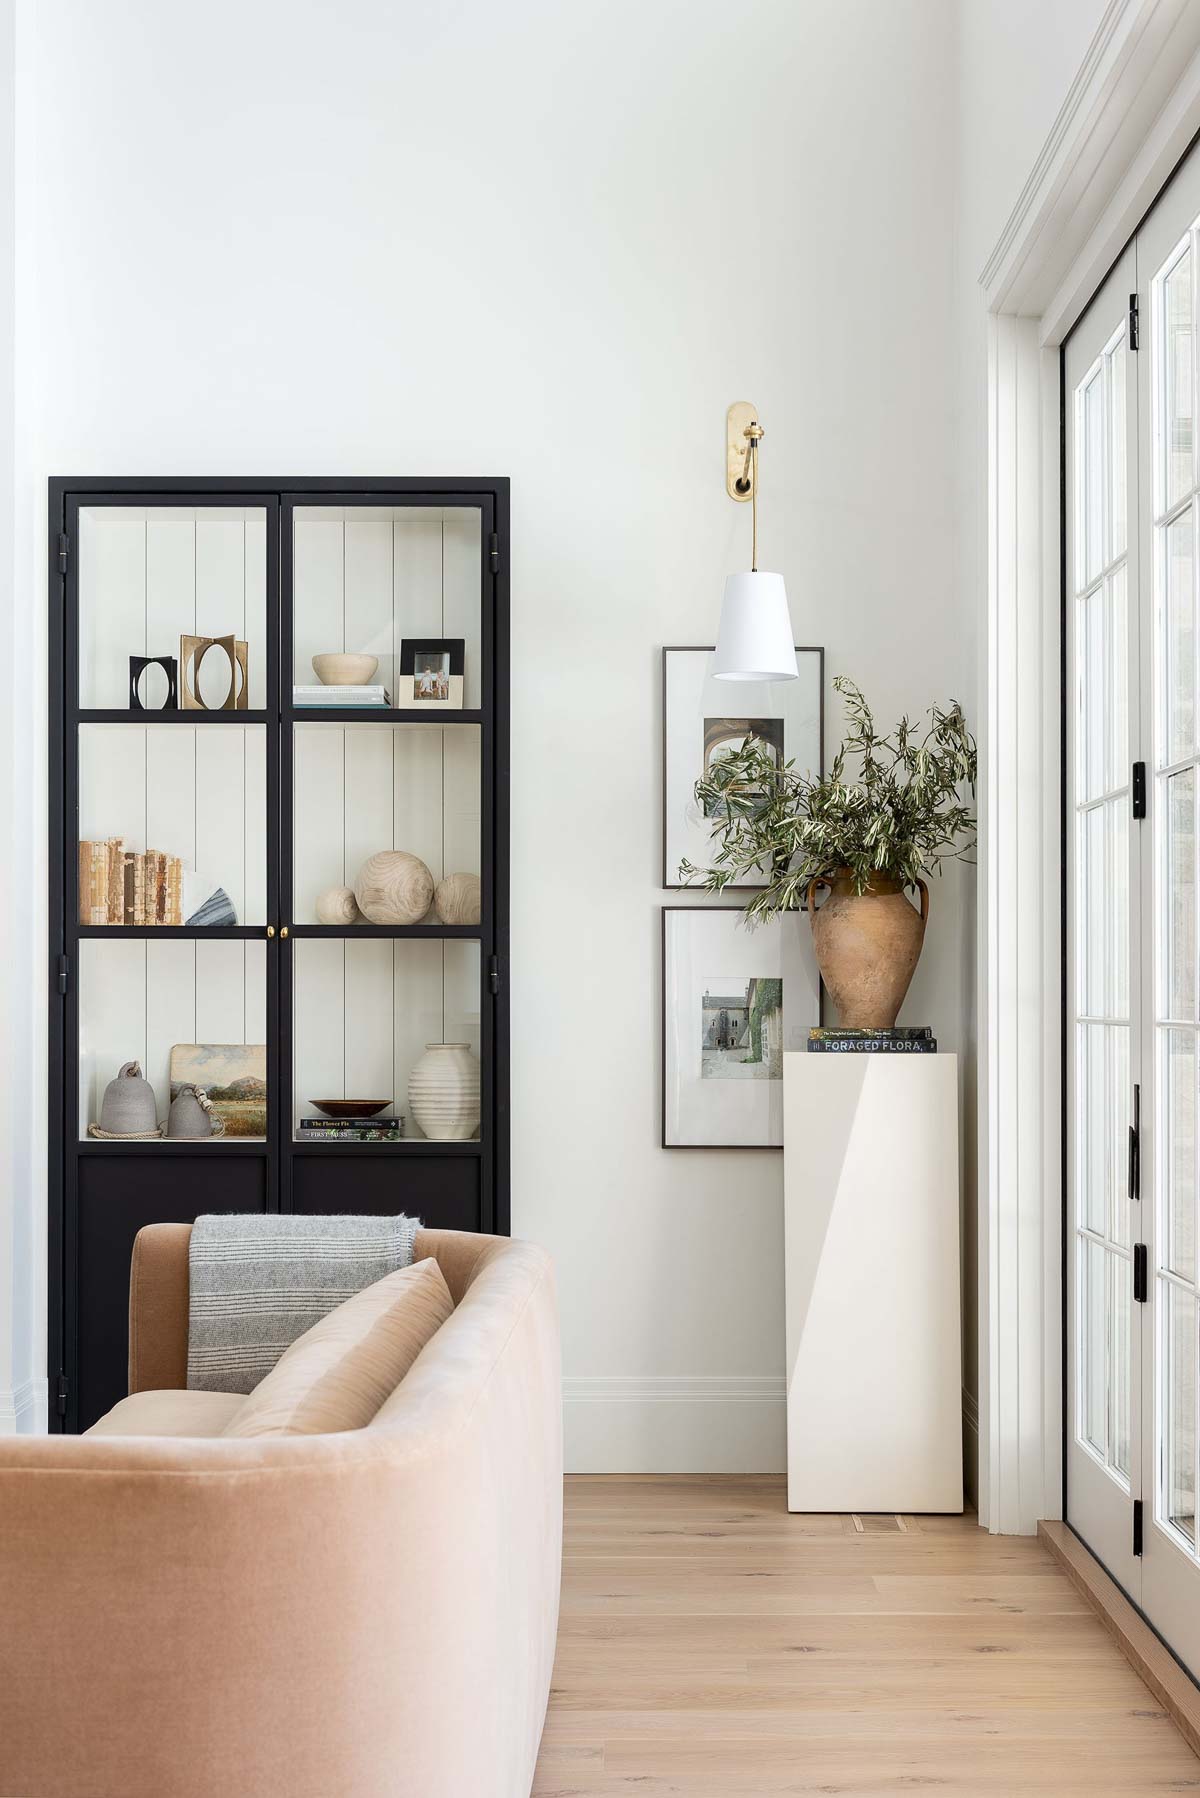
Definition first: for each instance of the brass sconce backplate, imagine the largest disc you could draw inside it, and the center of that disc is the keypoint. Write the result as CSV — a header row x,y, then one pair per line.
x,y
739,415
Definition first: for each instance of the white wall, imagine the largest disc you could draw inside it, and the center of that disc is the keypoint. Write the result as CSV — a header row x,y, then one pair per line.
x,y
555,243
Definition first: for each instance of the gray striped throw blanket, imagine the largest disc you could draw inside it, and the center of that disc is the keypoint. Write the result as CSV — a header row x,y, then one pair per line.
x,y
259,1282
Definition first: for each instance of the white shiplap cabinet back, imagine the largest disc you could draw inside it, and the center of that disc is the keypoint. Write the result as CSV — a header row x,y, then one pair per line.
x,y
367,577
148,577
138,997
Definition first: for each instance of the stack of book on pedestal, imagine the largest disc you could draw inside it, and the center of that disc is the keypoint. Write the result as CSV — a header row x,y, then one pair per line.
x,y
342,697
913,1039
344,1130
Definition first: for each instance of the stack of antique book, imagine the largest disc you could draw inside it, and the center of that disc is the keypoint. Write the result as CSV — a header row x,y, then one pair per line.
x,y
128,886
912,1039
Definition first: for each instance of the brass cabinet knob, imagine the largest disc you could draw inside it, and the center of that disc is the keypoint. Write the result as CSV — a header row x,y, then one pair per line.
x,y
270,930
283,931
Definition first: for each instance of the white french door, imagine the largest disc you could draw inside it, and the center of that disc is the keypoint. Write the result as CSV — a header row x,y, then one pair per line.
x,y
1132,500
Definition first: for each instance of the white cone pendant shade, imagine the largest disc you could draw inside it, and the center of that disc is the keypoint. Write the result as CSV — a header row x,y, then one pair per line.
x,y
755,638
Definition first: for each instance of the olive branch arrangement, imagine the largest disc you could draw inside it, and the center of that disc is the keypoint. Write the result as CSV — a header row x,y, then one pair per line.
x,y
902,817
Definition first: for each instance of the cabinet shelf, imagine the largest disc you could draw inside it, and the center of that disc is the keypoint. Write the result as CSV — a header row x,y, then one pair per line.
x,y
407,1146
196,933
349,932
254,1146
381,714
108,715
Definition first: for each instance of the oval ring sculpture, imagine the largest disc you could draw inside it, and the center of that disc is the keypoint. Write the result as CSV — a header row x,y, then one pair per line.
x,y
457,899
394,887
337,905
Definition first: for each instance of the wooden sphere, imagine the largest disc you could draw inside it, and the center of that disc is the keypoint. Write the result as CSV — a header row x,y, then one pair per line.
x,y
457,899
337,905
394,887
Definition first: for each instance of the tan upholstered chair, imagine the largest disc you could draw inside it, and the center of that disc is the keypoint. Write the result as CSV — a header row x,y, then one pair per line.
x,y
366,1615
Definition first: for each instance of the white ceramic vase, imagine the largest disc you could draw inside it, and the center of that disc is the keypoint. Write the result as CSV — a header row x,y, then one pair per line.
x,y
443,1092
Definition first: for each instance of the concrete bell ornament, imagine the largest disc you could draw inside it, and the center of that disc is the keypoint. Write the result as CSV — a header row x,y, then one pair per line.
x,y
128,1107
191,1114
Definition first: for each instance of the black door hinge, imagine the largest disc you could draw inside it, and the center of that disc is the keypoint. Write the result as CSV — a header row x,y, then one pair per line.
x,y
1139,1272
61,1399
494,974
64,974
1137,785
1135,1146
64,551
1133,321
1137,1526
495,552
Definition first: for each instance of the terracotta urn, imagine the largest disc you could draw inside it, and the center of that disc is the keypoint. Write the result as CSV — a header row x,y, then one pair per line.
x,y
867,946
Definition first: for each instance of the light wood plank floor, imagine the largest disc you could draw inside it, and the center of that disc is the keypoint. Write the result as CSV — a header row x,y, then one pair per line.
x,y
712,1646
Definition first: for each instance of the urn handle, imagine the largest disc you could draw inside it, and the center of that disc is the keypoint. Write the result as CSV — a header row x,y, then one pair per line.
x,y
924,900
809,901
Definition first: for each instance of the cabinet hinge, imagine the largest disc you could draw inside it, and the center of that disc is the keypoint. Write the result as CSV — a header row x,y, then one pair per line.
x,y
1133,321
64,551
1137,1526
1137,788
494,974
1135,1147
64,974
1139,1272
61,1396
495,552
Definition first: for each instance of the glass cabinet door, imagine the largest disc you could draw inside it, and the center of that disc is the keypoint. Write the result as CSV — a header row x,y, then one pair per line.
x,y
171,870
386,788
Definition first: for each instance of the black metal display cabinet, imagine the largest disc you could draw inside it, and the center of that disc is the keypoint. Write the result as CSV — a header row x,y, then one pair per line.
x,y
256,805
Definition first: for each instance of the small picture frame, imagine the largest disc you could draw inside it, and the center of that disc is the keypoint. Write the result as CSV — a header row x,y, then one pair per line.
x,y
431,672
141,690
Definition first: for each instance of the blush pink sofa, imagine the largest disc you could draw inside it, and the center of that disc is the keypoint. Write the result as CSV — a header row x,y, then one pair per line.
x,y
371,1614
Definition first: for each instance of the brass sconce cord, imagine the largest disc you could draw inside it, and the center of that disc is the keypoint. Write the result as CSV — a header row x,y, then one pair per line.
x,y
749,484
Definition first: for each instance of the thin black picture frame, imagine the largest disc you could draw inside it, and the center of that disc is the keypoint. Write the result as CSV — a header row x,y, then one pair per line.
x,y
677,886
694,1148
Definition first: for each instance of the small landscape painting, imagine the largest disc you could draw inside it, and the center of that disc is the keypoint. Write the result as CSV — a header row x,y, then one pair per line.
x,y
234,1075
741,1029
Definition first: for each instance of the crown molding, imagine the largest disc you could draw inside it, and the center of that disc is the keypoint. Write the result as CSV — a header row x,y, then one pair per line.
x,y
1131,102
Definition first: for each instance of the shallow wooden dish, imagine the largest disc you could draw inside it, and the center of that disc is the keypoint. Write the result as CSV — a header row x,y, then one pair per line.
x,y
350,1108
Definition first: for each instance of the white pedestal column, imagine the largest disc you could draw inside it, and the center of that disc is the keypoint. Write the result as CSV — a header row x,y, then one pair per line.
x,y
874,1338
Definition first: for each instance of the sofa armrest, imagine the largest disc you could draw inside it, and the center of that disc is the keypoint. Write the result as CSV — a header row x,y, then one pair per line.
x,y
158,1308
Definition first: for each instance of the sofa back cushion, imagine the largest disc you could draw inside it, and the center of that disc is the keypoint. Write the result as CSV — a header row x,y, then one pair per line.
x,y
336,1376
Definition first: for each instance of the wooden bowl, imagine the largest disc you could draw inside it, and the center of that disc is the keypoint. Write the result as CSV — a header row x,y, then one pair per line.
x,y
342,670
350,1108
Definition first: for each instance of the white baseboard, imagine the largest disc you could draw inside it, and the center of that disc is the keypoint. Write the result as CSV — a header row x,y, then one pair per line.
x,y
676,1424
23,1409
